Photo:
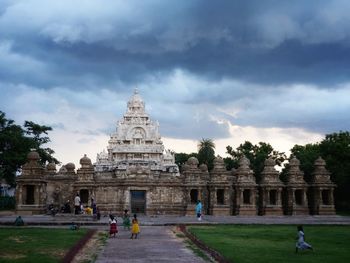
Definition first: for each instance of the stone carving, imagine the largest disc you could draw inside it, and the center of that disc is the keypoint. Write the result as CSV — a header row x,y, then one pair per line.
x,y
244,174
270,190
321,174
295,175
136,142
296,202
270,175
321,190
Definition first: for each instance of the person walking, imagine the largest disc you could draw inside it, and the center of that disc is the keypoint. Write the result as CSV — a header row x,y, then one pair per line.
x,y
77,204
94,208
301,244
113,229
199,210
135,229
126,219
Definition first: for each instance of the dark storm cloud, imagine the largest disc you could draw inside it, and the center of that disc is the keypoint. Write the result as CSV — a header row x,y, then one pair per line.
x,y
259,41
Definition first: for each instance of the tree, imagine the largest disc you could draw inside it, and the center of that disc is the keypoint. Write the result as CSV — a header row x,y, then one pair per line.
x,y
16,142
181,158
36,133
206,152
306,155
335,150
13,146
257,154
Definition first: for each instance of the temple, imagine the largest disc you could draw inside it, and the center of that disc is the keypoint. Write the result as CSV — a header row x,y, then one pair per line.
x,y
136,173
136,144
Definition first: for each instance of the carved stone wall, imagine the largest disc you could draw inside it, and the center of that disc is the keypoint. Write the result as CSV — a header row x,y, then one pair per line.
x,y
31,190
157,192
296,201
321,191
220,189
270,190
244,189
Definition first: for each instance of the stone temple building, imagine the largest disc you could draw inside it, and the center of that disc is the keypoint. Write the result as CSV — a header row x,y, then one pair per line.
x,y
136,173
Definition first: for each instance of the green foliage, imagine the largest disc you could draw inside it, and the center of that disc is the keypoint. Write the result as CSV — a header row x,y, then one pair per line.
x,y
7,202
306,155
274,243
181,158
335,150
206,152
16,142
257,154
230,163
36,244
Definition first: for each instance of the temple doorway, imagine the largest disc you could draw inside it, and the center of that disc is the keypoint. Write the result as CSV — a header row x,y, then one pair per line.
x,y
30,195
84,196
138,201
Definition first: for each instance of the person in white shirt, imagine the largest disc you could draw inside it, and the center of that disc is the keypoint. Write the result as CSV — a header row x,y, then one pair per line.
x,y
77,204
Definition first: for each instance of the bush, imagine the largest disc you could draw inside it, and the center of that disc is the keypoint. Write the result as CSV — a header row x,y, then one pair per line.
x,y
7,202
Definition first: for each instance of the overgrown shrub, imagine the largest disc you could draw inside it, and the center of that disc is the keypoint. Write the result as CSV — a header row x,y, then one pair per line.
x,y
7,202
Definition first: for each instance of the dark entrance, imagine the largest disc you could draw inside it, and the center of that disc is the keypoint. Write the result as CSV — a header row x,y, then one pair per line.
x,y
30,195
138,201
84,196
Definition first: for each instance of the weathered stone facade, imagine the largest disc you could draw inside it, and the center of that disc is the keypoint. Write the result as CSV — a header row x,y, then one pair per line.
x,y
136,174
296,190
270,190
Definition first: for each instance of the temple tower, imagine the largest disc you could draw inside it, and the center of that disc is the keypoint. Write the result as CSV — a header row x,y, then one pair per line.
x,y
321,190
136,143
195,185
296,190
270,190
31,187
220,189
244,188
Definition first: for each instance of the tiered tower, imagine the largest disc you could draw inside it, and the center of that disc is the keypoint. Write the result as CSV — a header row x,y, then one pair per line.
x,y
136,144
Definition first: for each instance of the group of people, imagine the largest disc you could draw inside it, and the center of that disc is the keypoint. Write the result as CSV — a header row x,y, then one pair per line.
x,y
135,227
79,208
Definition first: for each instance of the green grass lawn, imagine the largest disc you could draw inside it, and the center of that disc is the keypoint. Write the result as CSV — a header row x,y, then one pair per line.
x,y
23,244
276,243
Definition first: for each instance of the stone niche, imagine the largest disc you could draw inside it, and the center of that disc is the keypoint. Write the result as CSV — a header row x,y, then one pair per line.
x,y
295,192
244,189
270,190
220,189
195,185
321,190
31,187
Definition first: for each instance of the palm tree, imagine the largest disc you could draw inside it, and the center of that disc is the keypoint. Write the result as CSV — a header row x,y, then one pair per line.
x,y
206,152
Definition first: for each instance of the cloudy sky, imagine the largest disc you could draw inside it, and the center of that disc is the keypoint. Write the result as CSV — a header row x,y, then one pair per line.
x,y
273,71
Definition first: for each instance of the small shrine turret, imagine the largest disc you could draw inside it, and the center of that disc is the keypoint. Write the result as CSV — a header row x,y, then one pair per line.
x,y
244,189
296,190
270,190
321,190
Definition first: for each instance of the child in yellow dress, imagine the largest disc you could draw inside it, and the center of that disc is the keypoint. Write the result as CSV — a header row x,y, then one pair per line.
x,y
135,229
